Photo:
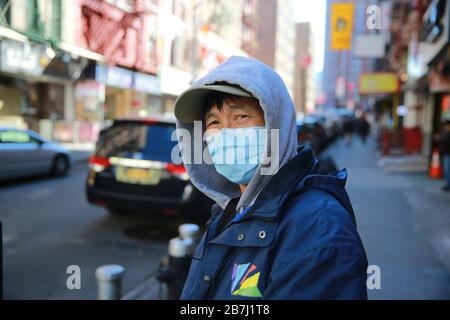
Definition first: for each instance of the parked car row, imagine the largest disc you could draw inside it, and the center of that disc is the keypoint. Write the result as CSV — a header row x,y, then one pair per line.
x,y
25,153
312,131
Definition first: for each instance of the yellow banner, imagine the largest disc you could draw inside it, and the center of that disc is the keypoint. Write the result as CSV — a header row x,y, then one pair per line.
x,y
341,26
374,83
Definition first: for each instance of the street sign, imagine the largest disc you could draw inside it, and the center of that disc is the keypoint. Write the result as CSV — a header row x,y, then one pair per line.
x,y
378,83
369,46
341,26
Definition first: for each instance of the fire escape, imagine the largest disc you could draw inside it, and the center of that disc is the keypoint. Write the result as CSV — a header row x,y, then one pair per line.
x,y
116,33
33,24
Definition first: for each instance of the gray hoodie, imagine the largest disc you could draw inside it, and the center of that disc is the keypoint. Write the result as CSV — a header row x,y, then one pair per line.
x,y
279,113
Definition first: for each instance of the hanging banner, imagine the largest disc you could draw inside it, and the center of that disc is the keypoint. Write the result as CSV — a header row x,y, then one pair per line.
x,y
341,26
378,83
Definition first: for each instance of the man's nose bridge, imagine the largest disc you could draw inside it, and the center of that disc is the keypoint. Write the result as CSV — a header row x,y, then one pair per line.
x,y
228,121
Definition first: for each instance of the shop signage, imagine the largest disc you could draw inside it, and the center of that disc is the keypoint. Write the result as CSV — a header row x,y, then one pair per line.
x,y
369,46
341,26
378,83
147,83
17,57
126,79
114,76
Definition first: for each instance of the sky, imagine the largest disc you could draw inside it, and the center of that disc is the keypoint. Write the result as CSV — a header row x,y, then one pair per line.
x,y
314,11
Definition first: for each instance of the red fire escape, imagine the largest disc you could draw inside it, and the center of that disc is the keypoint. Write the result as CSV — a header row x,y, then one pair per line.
x,y
117,34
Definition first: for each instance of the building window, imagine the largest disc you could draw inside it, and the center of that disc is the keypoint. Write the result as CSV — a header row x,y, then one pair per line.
x,y
5,12
34,25
44,19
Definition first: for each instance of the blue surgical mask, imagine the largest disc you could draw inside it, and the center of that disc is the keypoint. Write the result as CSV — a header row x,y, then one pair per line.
x,y
237,152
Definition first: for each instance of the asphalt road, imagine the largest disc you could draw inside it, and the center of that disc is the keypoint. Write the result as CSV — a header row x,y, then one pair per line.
x,y
403,221
48,225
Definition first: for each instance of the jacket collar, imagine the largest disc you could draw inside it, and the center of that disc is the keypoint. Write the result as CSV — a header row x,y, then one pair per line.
x,y
282,184
267,206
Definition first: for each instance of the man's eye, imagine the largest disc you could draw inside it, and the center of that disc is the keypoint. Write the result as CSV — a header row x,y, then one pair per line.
x,y
211,123
242,116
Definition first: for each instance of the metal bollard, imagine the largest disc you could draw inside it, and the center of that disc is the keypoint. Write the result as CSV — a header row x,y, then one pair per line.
x,y
174,267
189,231
109,281
179,248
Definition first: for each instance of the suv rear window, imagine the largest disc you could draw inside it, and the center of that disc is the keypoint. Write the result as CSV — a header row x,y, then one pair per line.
x,y
137,140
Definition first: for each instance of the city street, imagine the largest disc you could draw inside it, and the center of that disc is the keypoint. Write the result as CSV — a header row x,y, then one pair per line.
x,y
48,225
165,107
403,220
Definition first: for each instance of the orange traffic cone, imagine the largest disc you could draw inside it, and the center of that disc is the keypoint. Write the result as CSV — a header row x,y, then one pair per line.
x,y
435,168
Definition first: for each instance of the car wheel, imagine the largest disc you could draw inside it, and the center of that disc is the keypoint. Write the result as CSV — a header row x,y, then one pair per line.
x,y
60,166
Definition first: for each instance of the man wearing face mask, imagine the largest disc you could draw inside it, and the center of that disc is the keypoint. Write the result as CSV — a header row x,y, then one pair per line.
x,y
278,230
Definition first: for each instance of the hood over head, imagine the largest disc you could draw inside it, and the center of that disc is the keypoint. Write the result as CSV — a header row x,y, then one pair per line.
x,y
279,113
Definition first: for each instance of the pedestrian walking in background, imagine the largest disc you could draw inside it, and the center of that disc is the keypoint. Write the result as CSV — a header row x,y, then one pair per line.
x,y
347,129
363,128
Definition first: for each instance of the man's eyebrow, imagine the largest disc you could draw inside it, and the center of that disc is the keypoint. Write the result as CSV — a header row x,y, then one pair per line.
x,y
231,105
208,114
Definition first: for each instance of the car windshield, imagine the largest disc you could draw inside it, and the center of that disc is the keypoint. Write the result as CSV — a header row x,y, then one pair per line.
x,y
138,141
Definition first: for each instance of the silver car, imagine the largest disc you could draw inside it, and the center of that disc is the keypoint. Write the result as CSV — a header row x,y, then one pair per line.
x,y
26,153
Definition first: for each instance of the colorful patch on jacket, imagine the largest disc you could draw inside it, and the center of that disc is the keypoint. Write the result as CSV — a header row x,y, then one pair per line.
x,y
244,282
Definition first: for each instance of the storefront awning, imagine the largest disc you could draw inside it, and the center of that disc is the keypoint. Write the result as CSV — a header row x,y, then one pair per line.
x,y
11,34
81,52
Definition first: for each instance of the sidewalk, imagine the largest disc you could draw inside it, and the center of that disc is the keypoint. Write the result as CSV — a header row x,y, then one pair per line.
x,y
404,221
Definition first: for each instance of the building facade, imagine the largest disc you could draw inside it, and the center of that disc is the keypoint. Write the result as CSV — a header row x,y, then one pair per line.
x,y
342,69
275,38
69,67
305,78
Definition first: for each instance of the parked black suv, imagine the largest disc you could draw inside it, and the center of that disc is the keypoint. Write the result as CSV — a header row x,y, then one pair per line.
x,y
132,171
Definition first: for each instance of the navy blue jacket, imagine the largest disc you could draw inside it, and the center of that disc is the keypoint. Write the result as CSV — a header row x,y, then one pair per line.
x,y
297,241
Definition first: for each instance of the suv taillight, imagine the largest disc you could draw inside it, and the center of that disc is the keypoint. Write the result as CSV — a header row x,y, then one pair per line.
x,y
98,163
177,170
